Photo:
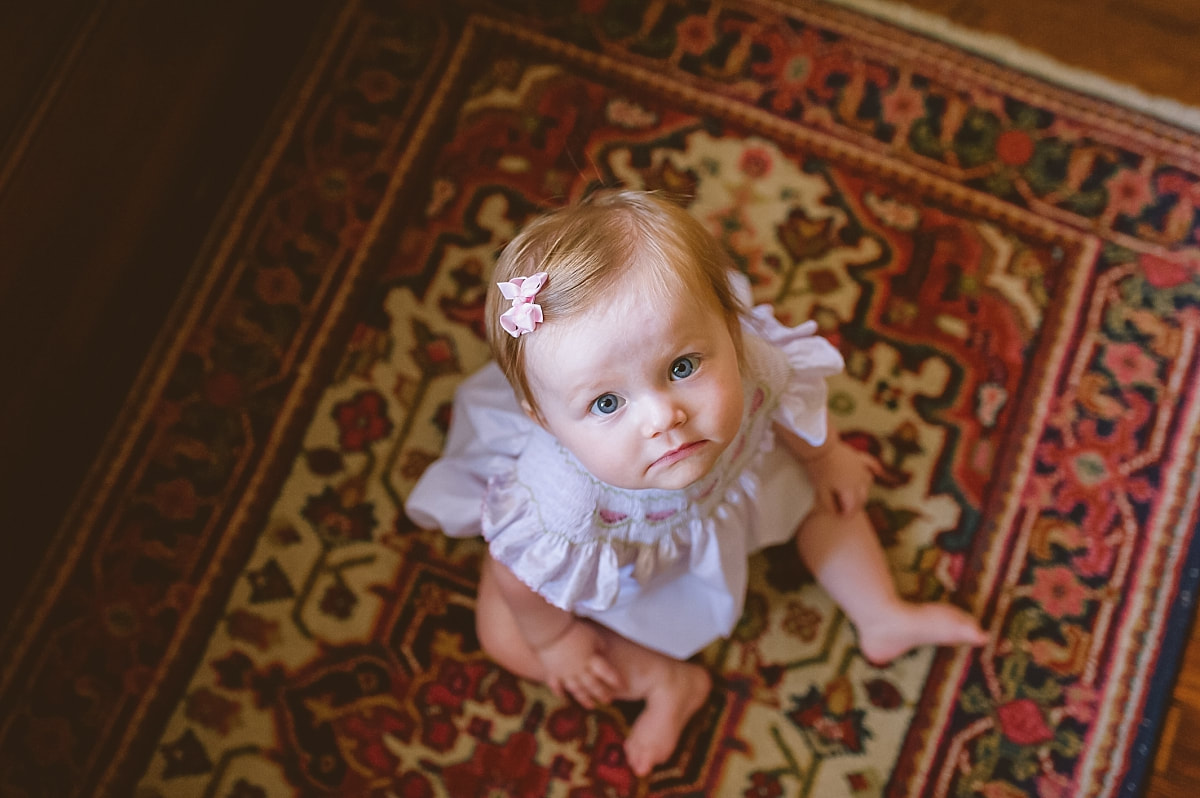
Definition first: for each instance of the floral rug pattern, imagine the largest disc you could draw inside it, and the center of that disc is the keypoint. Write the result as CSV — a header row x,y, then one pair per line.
x,y
1011,272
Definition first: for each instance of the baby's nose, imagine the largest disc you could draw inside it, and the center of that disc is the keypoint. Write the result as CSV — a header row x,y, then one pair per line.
x,y
663,413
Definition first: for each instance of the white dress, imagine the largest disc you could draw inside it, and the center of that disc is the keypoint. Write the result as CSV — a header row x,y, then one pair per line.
x,y
666,569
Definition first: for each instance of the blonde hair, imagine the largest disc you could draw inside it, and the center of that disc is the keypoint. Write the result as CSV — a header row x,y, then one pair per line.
x,y
587,247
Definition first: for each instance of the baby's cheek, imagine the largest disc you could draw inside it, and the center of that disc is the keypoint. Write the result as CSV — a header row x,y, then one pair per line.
x,y
732,416
596,459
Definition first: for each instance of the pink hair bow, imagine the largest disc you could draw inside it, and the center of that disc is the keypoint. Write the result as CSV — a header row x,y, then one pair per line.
x,y
525,315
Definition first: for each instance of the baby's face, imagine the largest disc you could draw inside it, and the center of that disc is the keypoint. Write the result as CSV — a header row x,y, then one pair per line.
x,y
645,394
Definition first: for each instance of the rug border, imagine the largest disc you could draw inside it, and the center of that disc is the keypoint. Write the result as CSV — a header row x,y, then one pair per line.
x,y
127,435
1179,622
1157,661
133,753
1009,52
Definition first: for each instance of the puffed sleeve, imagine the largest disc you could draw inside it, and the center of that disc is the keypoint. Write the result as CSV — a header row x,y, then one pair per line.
x,y
810,359
488,430
793,360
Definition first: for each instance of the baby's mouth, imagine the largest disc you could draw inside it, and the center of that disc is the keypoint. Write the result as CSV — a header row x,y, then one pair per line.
x,y
677,454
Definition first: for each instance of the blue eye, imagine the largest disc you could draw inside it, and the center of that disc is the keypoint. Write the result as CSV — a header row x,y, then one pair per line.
x,y
684,367
606,405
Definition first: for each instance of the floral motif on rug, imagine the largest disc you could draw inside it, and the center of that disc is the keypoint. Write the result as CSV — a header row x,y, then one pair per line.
x,y
1010,271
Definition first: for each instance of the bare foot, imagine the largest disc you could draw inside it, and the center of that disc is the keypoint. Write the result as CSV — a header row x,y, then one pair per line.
x,y
888,635
672,701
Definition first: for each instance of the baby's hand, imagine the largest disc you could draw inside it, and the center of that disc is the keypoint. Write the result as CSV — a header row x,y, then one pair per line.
x,y
575,663
841,476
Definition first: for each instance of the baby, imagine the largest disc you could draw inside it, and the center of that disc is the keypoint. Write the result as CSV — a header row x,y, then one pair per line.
x,y
642,432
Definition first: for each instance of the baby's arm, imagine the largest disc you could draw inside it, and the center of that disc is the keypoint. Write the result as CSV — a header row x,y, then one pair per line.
x,y
841,475
571,651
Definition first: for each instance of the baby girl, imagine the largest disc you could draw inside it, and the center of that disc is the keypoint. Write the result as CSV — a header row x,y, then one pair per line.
x,y
641,433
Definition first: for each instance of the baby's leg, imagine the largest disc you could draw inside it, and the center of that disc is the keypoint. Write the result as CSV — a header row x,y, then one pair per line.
x,y
845,555
672,690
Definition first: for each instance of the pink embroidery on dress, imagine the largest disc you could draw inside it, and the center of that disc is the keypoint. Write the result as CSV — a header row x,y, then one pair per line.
x,y
757,400
661,515
611,516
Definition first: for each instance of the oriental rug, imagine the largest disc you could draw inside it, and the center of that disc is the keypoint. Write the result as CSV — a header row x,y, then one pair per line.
x,y
1011,270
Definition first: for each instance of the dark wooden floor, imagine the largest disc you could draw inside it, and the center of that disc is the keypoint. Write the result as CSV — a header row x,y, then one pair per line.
x,y
122,126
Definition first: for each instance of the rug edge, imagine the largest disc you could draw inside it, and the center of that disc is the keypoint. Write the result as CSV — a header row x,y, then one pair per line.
x,y
1010,53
